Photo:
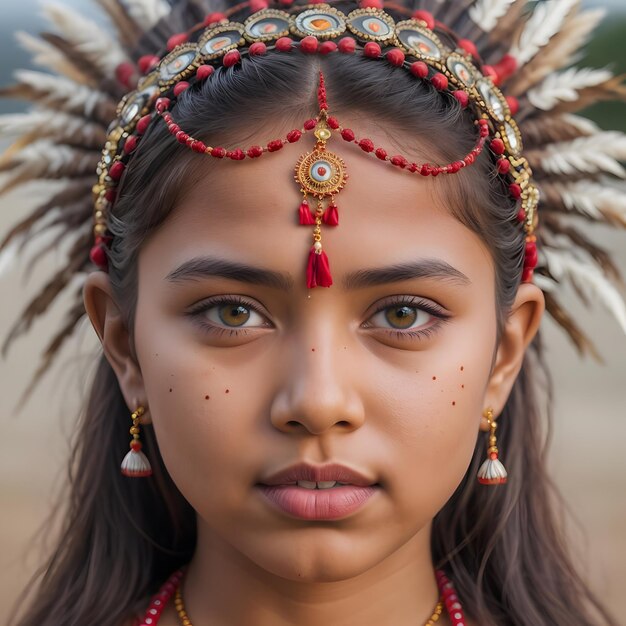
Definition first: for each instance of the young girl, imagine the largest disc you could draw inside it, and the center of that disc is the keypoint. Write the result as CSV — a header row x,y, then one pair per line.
x,y
321,268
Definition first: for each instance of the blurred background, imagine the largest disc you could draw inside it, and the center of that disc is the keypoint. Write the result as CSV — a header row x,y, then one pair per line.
x,y
587,455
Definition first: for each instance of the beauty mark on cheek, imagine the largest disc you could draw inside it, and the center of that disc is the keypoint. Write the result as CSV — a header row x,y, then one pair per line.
x,y
206,397
170,390
434,378
227,391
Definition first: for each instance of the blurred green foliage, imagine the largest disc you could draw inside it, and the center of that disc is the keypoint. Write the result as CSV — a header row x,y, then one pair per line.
x,y
608,49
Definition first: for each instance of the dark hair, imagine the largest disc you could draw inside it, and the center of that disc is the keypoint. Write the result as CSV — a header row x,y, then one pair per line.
x,y
503,547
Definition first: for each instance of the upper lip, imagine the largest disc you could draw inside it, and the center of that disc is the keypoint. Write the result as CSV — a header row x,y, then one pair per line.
x,y
318,473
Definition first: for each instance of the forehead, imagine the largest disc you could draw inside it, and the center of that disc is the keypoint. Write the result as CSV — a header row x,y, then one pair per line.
x,y
247,211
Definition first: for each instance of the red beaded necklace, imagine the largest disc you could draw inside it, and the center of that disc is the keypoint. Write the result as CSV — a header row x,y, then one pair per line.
x,y
161,598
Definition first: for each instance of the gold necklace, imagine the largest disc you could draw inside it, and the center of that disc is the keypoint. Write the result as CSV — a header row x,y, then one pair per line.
x,y
185,621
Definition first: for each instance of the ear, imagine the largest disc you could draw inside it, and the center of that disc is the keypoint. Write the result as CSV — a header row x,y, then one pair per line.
x,y
108,322
519,330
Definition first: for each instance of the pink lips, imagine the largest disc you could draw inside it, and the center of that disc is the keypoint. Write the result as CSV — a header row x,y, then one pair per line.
x,y
318,504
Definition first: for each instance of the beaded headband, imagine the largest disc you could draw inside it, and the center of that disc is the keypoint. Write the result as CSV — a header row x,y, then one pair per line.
x,y
451,66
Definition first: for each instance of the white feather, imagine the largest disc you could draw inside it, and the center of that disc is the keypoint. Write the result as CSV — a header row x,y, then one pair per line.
x,y
584,124
486,13
564,86
61,126
47,158
76,97
597,153
588,278
90,38
147,12
45,55
545,22
592,198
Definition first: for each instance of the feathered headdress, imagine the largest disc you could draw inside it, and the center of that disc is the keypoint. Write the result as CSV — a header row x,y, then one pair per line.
x,y
529,49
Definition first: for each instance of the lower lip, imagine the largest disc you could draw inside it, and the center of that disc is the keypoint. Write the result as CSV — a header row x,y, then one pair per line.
x,y
318,504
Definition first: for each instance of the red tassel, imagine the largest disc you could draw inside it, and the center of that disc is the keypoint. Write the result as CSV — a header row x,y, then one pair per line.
x,y
331,216
318,270
306,217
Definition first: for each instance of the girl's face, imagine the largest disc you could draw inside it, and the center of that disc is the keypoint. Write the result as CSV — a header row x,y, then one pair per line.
x,y
246,372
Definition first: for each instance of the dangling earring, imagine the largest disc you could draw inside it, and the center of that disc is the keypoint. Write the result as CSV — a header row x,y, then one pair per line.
x,y
135,463
492,472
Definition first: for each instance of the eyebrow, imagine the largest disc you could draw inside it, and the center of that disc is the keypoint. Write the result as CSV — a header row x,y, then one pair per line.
x,y
206,267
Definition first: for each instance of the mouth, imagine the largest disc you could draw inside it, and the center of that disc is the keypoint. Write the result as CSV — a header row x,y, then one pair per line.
x,y
318,492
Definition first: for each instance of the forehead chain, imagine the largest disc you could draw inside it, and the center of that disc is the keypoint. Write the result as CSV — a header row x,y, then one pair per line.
x,y
320,173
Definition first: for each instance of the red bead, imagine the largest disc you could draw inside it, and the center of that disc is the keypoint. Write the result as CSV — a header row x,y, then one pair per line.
x,y
488,70
147,62
142,124
530,258
293,136
130,144
426,169
419,69
275,145
257,5
116,170
98,256
180,86
326,47
176,40
211,18
309,44
110,194
513,104
237,155
347,45
124,73
182,136
413,167
504,166
527,274
505,68
435,171
515,190
231,58
310,124
462,97
440,81
283,44
347,134
366,145
135,445
372,50
198,146
162,104
395,56
381,154
257,49
333,122
468,46
204,71
399,161
218,153
426,17
255,151
373,4
497,146
173,128
521,215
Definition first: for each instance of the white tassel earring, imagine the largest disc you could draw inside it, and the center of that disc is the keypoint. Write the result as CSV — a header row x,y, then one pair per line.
x,y
492,472
135,463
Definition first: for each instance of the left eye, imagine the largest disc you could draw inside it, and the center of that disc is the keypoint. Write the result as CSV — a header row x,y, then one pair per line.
x,y
401,317
233,315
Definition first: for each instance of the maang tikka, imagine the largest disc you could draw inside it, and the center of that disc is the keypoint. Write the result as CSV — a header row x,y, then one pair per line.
x,y
321,174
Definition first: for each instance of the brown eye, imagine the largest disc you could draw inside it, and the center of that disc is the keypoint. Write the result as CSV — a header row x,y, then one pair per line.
x,y
401,316
233,315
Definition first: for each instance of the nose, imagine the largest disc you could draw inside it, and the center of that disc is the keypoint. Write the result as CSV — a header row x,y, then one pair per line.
x,y
319,389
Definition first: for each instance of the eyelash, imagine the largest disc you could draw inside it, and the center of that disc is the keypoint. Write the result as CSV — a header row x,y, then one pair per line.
x,y
412,302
